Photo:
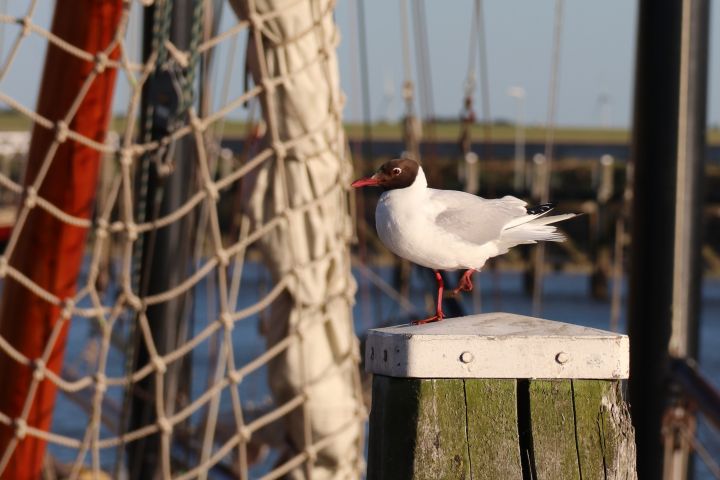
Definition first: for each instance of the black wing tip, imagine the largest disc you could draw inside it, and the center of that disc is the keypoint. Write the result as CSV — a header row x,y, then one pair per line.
x,y
540,209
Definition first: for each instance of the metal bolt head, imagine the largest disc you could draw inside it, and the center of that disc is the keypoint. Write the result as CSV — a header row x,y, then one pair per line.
x,y
562,358
466,357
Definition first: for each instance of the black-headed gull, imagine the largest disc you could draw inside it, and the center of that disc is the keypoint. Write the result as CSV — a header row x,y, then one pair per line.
x,y
450,230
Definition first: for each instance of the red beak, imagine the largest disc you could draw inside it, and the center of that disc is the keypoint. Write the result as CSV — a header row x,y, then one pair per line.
x,y
365,182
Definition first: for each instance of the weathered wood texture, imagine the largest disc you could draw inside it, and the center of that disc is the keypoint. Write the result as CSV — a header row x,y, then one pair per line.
x,y
491,406
499,429
553,430
417,437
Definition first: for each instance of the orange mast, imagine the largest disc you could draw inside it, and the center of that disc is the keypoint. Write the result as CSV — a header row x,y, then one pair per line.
x,y
50,252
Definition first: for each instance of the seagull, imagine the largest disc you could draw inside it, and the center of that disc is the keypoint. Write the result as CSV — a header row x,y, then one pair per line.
x,y
448,229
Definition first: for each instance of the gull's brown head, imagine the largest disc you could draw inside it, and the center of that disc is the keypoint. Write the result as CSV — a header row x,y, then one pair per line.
x,y
398,173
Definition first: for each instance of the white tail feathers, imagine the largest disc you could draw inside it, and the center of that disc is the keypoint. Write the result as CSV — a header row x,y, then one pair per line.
x,y
532,229
552,219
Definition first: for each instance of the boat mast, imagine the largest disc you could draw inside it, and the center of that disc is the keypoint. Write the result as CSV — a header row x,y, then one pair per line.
x,y
43,248
166,254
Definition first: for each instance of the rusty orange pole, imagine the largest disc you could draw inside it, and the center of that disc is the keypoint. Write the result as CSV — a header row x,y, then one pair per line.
x,y
48,251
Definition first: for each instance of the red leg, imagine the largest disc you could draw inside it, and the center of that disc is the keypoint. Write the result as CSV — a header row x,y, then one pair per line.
x,y
465,284
439,315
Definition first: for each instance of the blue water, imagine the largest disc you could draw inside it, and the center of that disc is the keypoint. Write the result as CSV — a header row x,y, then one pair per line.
x,y
565,299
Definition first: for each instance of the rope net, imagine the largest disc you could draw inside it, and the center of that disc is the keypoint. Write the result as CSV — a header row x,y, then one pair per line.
x,y
185,251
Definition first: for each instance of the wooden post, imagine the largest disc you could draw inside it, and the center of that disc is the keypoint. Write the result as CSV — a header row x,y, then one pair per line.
x,y
498,396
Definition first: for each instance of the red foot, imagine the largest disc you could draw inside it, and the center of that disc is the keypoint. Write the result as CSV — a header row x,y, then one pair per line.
x,y
465,282
435,318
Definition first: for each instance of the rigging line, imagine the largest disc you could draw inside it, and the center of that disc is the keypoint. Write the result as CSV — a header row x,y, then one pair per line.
x,y
426,61
419,58
549,145
218,128
211,24
3,8
428,70
423,64
422,52
354,93
552,99
470,78
484,74
362,40
407,67
484,84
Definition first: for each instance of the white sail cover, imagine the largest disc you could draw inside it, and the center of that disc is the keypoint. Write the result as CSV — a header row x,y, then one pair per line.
x,y
291,55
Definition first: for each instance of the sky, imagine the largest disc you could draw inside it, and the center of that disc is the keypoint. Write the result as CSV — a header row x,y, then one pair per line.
x,y
596,58
597,54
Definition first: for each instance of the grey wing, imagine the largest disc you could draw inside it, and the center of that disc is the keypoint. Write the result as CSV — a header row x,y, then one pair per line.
x,y
475,219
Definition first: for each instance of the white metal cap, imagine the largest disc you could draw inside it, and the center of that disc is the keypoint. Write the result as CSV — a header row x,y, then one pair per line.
x,y
497,345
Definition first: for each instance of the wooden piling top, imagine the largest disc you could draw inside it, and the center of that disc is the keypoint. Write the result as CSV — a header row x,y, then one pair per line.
x,y
497,345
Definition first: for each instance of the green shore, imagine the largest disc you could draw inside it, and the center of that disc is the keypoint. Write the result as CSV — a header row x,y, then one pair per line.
x,y
12,121
442,131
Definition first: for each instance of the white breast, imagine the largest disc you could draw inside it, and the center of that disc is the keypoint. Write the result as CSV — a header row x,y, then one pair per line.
x,y
404,222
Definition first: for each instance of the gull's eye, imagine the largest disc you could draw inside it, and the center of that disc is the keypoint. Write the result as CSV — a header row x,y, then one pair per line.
x,y
396,171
